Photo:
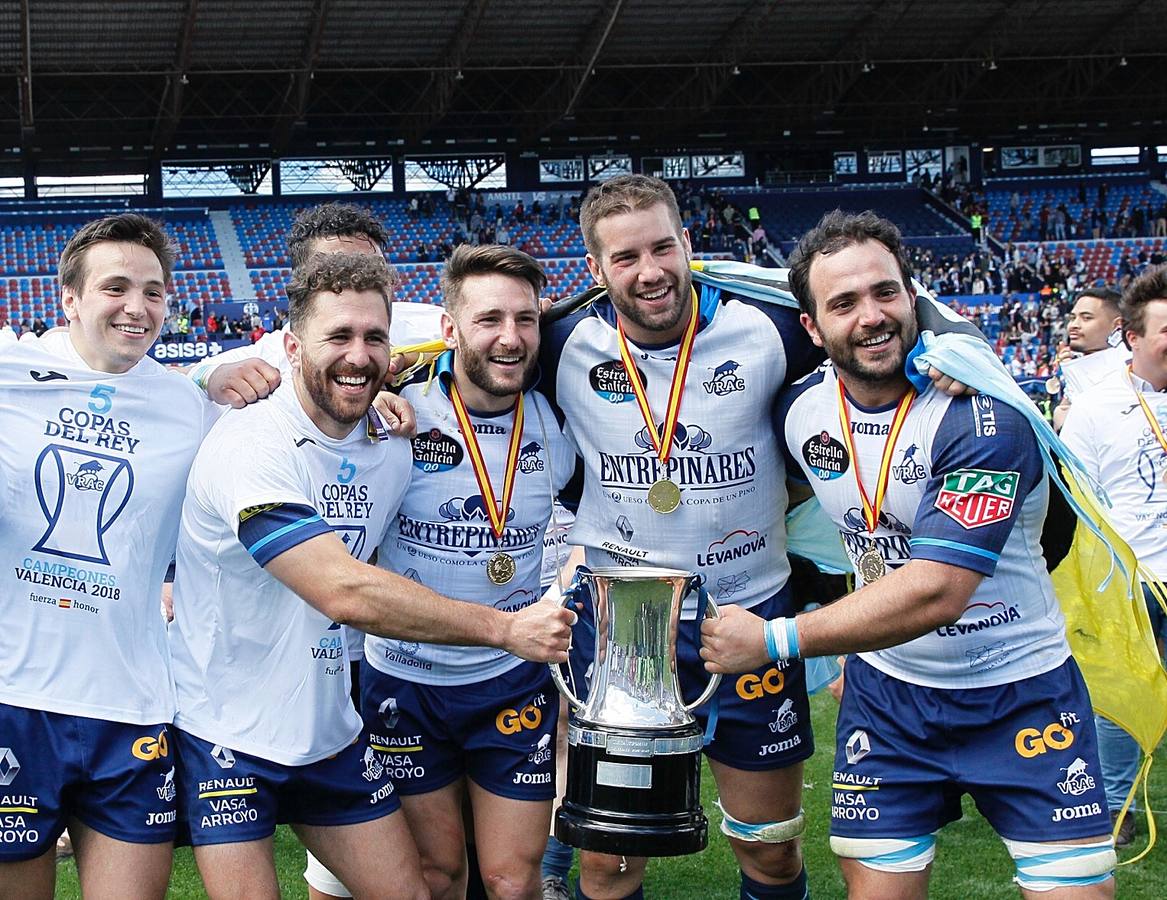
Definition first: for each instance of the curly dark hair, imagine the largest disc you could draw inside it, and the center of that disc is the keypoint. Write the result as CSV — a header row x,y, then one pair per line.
x,y
333,273
332,220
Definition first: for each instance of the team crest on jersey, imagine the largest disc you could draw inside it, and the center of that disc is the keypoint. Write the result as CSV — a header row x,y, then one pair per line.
x,y
436,452
725,379
909,471
978,497
827,457
686,437
100,489
529,458
610,381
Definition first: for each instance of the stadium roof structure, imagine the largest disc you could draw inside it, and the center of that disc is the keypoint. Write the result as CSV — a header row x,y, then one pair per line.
x,y
153,79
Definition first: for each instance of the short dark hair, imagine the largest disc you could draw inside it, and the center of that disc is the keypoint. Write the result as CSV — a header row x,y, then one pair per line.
x,y
1148,287
623,194
332,220
336,272
835,231
1108,296
488,259
124,228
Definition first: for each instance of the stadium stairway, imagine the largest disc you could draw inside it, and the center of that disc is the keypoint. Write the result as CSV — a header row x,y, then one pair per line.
x,y
232,252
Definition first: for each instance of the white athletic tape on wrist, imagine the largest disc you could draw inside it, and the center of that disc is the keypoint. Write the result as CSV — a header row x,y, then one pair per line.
x,y
898,855
1045,867
766,832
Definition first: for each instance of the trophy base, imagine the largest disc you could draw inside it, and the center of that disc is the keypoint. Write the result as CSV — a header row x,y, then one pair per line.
x,y
633,805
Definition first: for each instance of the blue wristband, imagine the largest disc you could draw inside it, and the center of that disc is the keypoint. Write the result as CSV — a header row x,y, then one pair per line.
x,y
770,630
791,638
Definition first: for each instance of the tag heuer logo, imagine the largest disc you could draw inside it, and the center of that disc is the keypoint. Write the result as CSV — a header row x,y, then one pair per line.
x,y
976,497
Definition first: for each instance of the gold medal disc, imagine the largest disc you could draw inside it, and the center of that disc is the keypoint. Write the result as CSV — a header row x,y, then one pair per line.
x,y
871,566
500,568
664,496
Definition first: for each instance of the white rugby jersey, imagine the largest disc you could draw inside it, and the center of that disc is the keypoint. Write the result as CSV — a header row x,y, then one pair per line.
x,y
442,536
1109,432
92,471
967,488
725,457
257,668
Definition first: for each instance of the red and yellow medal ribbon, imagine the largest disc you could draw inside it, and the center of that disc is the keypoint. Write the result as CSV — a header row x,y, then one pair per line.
x,y
1151,420
663,443
497,515
871,508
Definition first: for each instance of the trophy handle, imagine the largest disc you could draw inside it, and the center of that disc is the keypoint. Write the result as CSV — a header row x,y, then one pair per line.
x,y
710,611
568,596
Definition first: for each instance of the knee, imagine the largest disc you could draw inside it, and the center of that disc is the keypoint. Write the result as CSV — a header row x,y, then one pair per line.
x,y
510,883
769,862
444,879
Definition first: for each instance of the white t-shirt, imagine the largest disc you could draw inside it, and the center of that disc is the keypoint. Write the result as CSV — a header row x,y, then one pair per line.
x,y
1107,429
92,472
443,539
258,669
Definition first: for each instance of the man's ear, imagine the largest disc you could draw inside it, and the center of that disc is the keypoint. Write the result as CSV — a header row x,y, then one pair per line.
x,y
448,330
594,268
292,347
811,329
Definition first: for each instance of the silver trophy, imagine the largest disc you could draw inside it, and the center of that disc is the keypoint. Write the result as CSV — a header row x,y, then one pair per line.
x,y
634,747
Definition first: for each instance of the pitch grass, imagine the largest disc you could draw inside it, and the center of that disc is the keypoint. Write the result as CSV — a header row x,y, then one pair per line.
x,y
971,862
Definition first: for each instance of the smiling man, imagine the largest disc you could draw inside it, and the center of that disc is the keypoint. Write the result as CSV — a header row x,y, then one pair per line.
x,y
963,682
471,722
95,445
286,502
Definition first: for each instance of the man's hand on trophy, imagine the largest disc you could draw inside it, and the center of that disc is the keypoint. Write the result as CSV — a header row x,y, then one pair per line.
x,y
397,414
241,383
541,632
734,642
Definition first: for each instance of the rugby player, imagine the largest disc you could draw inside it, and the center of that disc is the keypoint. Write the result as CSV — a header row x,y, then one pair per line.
x,y
96,443
285,501
963,682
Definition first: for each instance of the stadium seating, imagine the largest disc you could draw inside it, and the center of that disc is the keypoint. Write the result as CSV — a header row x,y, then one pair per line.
x,y
1123,194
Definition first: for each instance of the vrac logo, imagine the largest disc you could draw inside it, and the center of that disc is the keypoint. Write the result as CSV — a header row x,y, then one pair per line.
x,y
909,471
1077,781
725,379
529,458
87,477
1029,742
167,791
151,747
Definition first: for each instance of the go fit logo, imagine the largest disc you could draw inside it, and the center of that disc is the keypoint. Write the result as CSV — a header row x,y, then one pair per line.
x,y
151,747
1029,742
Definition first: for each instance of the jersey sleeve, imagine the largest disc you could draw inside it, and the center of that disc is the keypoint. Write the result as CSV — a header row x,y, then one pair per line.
x,y
783,409
985,462
265,500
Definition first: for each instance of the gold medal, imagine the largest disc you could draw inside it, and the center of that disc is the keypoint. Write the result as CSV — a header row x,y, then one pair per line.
x,y
1053,385
664,496
500,568
871,566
